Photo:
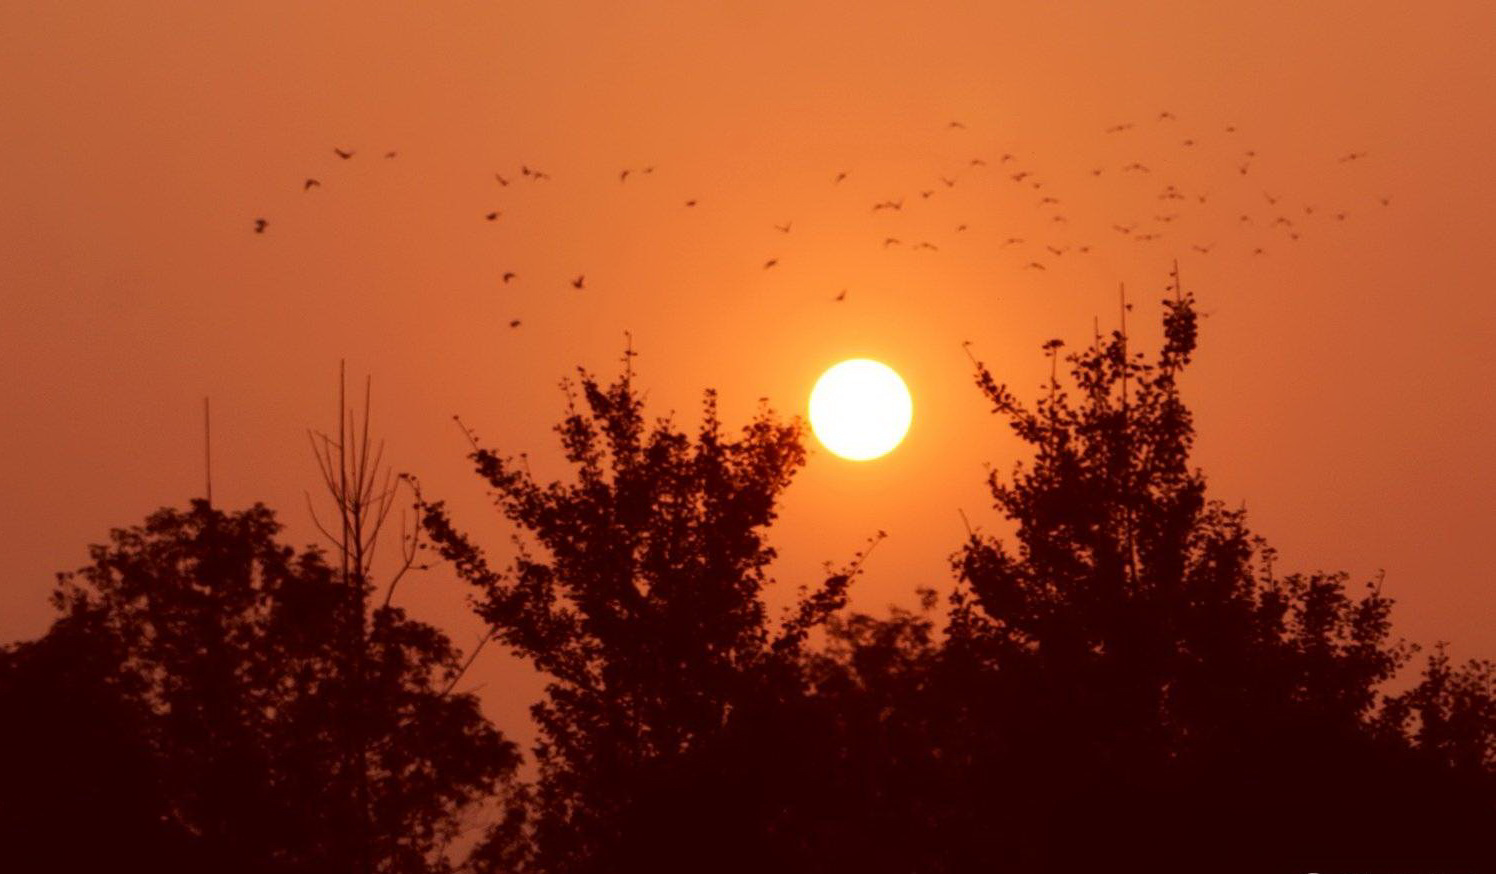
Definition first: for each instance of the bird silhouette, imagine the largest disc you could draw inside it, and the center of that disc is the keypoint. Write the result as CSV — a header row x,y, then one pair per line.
x,y
1386,201
492,216
579,281
1019,177
839,177
1118,128
1123,229
1187,143
841,297
310,184
1013,241
508,276
1352,156
342,154
978,162
389,155
784,228
1203,250
1033,265
1057,252
1166,116
949,183
926,245
1005,158
1244,168
956,125
1096,172
691,202
889,204
1084,250
926,194
1259,251
1230,129
960,228
623,177
514,323
1049,200
502,180
648,170
770,263
1135,166
260,225
891,241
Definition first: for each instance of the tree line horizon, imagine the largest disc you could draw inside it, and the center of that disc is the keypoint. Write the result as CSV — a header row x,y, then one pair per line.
x,y
1125,682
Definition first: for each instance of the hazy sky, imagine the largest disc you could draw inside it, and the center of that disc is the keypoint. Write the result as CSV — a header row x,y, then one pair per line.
x,y
1342,390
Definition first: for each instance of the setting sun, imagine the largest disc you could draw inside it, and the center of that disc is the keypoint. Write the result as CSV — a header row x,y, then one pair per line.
x,y
860,409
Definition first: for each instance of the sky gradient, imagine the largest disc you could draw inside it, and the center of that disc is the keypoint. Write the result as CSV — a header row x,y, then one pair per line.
x,y
1342,390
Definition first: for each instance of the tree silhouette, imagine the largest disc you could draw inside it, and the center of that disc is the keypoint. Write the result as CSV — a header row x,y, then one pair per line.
x,y
213,653
639,595
1148,680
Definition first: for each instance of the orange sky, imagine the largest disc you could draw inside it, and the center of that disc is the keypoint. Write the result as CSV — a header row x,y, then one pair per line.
x,y
1342,390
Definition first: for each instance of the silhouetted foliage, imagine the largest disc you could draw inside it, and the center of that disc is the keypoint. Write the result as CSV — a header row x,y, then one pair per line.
x,y
195,698
1122,681
643,607
1145,690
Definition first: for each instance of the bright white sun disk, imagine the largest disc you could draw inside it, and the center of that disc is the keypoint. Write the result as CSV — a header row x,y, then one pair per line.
x,y
860,409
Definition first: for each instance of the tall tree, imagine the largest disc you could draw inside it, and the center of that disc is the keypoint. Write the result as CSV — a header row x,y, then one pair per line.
x,y
214,656
1149,680
638,591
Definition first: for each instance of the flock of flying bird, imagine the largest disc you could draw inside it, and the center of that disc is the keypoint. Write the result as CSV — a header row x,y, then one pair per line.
x,y
1172,205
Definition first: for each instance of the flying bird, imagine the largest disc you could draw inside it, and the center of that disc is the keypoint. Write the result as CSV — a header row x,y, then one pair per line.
x,y
784,228
956,125
1033,265
514,323
502,180
839,177
1118,128
931,246
1203,250
342,154
978,162
1005,158
310,184
891,241
623,177
960,228
926,194
691,202
389,155
1012,241
949,183
1019,177
1123,229
1166,116
770,263
508,276
841,297
889,204
1058,252
578,282
260,225
493,216
1386,201
1353,156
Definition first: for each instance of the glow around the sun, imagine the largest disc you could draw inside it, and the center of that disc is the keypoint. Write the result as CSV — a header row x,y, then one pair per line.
x,y
860,409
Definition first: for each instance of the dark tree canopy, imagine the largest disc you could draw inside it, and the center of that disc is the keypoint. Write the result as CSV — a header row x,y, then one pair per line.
x,y
1122,680
639,593
198,692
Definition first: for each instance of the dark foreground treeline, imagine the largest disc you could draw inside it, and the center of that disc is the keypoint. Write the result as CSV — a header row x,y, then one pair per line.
x,y
1125,684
